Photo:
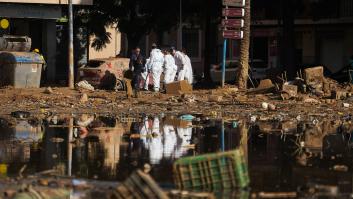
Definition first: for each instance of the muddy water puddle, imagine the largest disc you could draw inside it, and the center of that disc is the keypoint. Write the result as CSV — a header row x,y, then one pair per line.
x,y
283,156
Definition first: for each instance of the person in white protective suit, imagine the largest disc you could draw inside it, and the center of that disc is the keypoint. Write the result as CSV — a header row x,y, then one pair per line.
x,y
155,64
145,132
184,135
152,140
170,69
145,76
169,141
180,62
188,68
156,145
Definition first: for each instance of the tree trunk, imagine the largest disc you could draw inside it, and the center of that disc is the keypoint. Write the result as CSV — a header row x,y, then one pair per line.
x,y
244,131
244,49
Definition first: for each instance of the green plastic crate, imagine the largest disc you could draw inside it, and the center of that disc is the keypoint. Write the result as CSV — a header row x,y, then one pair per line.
x,y
215,171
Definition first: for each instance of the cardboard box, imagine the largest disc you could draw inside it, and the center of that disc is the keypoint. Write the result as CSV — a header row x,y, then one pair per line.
x,y
314,77
176,122
292,90
177,88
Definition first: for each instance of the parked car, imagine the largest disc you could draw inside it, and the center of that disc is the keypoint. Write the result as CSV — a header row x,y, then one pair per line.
x,y
105,73
258,70
231,71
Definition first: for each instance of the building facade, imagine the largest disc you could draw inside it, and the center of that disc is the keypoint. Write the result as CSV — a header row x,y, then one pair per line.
x,y
38,19
322,34
319,26
111,49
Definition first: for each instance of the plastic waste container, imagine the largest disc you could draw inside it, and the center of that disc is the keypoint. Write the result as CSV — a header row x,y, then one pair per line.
x,y
15,43
20,69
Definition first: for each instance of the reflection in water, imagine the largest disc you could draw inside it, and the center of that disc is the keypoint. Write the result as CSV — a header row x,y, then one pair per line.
x,y
282,155
300,154
164,140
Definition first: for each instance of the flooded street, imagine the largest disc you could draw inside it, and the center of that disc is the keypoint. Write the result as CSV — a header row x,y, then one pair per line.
x,y
283,156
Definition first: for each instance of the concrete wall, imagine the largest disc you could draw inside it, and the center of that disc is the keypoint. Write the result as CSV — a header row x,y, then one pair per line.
x,y
111,50
81,2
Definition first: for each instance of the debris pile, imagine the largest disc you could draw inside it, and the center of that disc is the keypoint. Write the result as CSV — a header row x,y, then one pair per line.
x,y
84,85
311,87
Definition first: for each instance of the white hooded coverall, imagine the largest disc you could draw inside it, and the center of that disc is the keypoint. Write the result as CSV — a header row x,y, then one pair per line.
x,y
156,65
145,76
185,135
170,69
188,70
153,144
169,141
180,62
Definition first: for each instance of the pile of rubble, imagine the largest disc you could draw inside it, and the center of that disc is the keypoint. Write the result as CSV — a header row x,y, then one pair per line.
x,y
310,87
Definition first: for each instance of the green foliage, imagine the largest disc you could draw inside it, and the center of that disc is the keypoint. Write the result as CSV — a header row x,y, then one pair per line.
x,y
134,17
137,18
95,18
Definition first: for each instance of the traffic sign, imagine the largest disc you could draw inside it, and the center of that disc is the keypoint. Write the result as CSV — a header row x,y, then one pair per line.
x,y
233,12
233,23
235,3
233,34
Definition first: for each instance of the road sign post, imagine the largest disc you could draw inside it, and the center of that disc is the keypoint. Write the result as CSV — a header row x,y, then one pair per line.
x,y
224,61
233,12
232,24
235,3
233,34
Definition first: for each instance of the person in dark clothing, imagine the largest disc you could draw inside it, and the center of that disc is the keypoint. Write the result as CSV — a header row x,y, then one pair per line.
x,y
137,65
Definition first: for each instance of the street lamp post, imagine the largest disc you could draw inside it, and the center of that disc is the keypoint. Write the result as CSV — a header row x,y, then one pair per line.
x,y
181,24
71,47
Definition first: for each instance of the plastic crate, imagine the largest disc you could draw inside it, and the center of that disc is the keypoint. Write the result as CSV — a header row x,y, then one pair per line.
x,y
179,194
216,171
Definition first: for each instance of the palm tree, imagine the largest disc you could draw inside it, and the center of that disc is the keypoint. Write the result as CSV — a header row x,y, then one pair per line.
x,y
244,49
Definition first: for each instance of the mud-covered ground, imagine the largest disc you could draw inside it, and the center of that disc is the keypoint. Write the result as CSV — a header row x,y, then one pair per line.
x,y
228,102
89,134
